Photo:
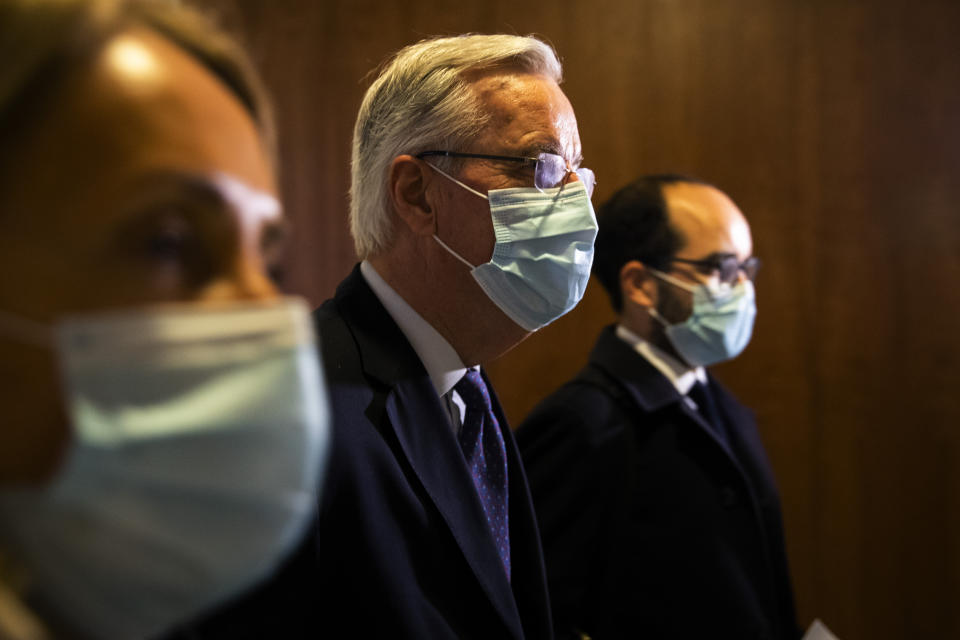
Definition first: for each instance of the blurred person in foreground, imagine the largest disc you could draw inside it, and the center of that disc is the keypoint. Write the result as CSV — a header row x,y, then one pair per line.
x,y
656,503
165,421
472,218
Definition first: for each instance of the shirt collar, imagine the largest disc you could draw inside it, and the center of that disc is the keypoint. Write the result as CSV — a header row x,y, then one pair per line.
x,y
439,358
680,375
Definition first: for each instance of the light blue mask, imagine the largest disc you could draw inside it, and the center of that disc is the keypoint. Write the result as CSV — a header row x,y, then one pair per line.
x,y
720,326
543,253
200,436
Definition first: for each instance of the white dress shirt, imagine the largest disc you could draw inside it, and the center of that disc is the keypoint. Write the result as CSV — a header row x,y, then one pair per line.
x,y
439,358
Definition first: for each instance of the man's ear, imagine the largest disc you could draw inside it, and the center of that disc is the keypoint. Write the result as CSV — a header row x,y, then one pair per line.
x,y
408,180
637,285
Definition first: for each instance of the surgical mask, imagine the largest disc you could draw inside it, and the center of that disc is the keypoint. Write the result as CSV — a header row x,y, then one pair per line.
x,y
200,436
720,325
543,252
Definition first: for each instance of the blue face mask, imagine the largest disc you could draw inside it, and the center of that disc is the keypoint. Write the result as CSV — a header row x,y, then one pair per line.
x,y
720,326
543,253
199,439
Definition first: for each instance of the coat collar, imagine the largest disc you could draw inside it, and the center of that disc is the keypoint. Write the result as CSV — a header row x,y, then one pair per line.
x,y
652,391
385,353
649,388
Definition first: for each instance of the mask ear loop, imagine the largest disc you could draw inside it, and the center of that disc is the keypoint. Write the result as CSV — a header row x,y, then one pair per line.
x,y
435,236
450,177
656,316
653,310
25,330
692,288
686,286
713,292
452,252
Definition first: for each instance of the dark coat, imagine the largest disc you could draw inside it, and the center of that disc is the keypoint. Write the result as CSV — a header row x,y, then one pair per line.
x,y
401,548
652,527
403,539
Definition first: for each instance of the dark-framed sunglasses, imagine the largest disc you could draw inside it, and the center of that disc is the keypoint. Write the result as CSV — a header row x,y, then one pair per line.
x,y
550,169
725,266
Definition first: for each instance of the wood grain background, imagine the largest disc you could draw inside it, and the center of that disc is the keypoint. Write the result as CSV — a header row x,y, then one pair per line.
x,y
835,125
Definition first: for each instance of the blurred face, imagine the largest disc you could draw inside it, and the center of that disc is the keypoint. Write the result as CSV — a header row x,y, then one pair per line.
x,y
712,226
145,182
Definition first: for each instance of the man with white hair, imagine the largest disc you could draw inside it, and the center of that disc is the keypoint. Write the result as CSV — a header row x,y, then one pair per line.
x,y
474,225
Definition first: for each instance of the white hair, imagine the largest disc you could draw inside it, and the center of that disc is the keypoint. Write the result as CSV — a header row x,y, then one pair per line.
x,y
422,100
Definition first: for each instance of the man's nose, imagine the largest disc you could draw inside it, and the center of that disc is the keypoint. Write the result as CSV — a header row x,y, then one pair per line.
x,y
245,280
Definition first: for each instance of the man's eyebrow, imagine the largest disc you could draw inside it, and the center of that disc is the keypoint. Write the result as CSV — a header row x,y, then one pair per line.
x,y
200,186
164,193
544,144
554,147
180,183
719,255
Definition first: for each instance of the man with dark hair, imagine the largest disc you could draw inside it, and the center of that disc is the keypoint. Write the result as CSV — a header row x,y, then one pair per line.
x,y
657,506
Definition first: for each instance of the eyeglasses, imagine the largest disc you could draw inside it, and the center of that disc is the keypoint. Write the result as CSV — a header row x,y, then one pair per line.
x,y
550,169
725,266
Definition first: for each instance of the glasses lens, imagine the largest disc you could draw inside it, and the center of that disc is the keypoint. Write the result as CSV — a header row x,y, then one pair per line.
x,y
729,269
551,169
750,267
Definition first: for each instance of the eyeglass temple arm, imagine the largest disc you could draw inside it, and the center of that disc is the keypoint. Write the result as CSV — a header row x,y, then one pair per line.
x,y
483,156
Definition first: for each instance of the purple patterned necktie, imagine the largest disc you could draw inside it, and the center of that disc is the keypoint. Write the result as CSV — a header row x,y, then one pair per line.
x,y
486,455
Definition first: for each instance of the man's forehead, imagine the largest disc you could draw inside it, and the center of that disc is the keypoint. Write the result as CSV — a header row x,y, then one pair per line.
x,y
528,114
708,220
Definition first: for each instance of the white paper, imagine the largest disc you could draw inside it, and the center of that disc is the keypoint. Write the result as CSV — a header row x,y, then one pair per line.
x,y
819,631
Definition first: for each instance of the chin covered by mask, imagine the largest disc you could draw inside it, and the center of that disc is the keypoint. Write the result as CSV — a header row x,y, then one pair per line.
x,y
720,325
199,439
543,252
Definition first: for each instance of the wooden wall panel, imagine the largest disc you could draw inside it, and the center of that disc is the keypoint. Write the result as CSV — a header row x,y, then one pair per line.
x,y
836,127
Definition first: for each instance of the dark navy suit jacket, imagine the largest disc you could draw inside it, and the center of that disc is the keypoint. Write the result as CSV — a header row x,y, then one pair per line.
x,y
404,548
401,548
652,526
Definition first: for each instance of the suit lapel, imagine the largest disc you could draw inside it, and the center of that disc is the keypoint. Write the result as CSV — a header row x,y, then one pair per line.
x,y
429,444
528,580
745,440
647,388
752,463
413,411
